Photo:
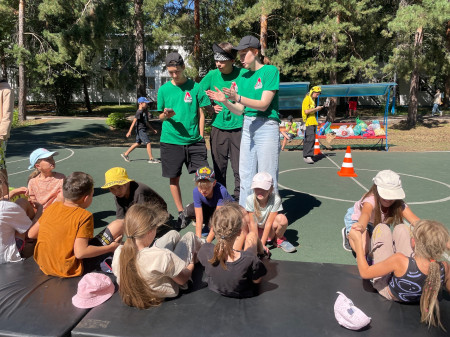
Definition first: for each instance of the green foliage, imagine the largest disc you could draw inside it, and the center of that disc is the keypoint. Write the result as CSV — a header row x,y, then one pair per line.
x,y
117,120
15,123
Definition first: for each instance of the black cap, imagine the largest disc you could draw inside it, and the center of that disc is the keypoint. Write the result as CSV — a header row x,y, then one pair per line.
x,y
226,56
174,59
290,118
248,42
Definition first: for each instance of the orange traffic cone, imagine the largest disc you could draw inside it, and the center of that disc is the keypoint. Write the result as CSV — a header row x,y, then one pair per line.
x,y
347,166
317,147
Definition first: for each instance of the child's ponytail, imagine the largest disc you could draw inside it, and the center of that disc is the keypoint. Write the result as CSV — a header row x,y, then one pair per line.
x,y
134,291
431,238
33,174
226,222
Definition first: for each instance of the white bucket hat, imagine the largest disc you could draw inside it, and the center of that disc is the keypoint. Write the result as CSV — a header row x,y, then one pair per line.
x,y
348,315
389,185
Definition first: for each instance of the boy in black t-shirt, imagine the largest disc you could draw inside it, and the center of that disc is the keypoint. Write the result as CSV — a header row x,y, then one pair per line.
x,y
141,123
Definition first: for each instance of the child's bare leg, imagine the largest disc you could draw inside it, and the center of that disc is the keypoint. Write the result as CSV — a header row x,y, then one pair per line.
x,y
280,225
116,228
240,240
284,143
132,147
251,243
149,151
176,193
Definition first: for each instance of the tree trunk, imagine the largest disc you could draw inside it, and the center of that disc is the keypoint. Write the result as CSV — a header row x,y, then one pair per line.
x,y
4,74
331,115
87,101
263,32
139,49
197,39
447,79
22,75
414,85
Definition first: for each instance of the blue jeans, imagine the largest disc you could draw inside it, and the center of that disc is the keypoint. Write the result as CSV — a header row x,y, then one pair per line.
x,y
349,222
260,151
435,108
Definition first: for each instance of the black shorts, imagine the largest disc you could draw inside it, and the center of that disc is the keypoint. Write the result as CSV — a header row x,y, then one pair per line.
x,y
142,137
174,156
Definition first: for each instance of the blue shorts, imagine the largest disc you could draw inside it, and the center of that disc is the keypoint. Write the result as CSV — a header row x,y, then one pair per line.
x,y
349,222
142,137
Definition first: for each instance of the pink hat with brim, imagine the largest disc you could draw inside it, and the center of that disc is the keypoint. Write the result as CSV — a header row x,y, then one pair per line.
x,y
93,289
262,180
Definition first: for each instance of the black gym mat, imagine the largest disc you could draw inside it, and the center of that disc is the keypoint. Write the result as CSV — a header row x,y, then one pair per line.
x,y
296,299
34,304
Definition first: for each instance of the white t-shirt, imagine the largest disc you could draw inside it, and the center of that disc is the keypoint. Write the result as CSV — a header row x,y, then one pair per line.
x,y
12,218
273,205
158,267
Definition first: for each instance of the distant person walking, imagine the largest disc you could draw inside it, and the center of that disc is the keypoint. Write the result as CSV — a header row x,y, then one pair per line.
x,y
6,114
436,102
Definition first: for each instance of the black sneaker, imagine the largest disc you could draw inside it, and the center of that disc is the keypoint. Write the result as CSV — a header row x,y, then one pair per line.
x,y
345,242
181,222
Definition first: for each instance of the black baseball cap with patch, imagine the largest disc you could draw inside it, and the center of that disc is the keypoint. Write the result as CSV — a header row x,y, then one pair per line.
x,y
205,173
248,42
174,59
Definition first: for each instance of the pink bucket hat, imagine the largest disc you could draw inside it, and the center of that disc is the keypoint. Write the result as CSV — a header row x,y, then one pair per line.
x,y
93,289
262,180
348,315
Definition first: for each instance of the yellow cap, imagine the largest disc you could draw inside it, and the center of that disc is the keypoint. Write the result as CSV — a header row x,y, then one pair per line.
x,y
316,89
116,176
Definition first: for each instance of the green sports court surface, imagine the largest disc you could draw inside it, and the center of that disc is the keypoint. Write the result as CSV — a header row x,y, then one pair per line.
x,y
315,198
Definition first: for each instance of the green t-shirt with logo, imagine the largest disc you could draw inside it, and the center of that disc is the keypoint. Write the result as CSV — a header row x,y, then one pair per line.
x,y
183,128
225,119
252,85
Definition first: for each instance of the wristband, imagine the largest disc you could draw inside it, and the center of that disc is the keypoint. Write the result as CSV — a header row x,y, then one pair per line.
x,y
239,100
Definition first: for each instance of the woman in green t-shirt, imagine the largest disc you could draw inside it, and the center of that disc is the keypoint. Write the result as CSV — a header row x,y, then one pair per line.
x,y
260,146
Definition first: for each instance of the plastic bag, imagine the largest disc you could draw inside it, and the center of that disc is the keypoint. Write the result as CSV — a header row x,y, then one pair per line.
x,y
357,130
375,124
342,131
369,133
328,129
350,131
379,132
360,122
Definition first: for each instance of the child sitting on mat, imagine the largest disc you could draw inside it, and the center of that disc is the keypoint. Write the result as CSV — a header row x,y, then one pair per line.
x,y
15,220
406,269
208,196
146,275
382,204
263,207
44,185
65,245
231,271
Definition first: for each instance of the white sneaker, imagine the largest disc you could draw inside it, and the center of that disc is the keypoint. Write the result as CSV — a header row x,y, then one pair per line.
x,y
308,160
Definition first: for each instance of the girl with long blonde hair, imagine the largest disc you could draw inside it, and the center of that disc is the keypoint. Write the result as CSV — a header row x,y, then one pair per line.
x,y
408,268
147,273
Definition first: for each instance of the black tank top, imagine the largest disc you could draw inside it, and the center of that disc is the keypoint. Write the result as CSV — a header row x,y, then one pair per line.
x,y
408,288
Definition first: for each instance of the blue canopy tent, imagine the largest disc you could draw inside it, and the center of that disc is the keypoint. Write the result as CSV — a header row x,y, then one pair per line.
x,y
291,94
366,89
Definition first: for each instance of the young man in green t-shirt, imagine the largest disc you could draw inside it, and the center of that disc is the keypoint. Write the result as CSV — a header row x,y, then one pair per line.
x,y
181,102
226,128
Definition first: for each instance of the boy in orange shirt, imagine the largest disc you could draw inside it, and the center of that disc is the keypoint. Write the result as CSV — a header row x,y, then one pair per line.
x,y
65,244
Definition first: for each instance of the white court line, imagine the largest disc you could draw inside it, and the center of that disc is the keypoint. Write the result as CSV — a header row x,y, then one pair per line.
x,y
56,161
337,199
356,181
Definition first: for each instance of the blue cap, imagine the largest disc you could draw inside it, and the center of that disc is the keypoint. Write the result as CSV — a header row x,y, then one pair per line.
x,y
143,100
40,153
